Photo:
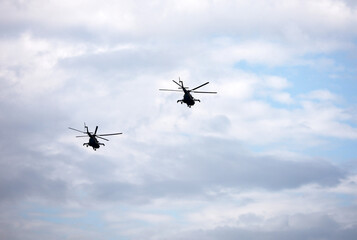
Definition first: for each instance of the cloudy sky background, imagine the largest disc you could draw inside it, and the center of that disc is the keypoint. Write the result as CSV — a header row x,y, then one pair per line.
x,y
271,156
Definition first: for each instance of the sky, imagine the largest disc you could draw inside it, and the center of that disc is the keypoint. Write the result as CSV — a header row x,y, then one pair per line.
x,y
271,156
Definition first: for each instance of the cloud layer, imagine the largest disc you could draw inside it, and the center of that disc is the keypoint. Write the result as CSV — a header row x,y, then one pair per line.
x,y
268,157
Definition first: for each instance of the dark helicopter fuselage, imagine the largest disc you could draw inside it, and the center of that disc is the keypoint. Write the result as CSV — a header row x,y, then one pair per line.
x,y
93,142
188,99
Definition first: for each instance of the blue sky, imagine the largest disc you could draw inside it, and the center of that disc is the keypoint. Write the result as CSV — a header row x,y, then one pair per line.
x,y
271,156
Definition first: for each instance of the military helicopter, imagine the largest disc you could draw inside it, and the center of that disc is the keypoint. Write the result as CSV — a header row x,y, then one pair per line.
x,y
187,97
93,142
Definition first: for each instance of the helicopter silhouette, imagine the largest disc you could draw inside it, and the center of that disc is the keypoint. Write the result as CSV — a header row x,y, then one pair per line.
x,y
187,97
93,141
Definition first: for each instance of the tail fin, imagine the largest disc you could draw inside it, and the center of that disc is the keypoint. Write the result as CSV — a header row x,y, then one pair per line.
x,y
86,127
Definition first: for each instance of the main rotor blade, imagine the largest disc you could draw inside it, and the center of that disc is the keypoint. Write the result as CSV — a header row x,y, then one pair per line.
x,y
171,90
77,130
102,138
82,136
109,134
199,86
203,92
178,83
96,128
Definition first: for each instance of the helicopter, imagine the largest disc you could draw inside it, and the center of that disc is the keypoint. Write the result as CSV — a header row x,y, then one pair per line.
x,y
93,141
187,97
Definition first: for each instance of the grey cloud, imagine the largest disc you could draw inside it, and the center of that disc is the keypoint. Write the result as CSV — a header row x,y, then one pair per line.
x,y
161,20
317,226
220,162
143,193
128,60
219,123
27,165
27,183
28,123
211,164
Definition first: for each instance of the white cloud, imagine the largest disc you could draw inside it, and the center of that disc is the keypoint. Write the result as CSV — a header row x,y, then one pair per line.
x,y
253,53
283,98
240,87
320,95
277,83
